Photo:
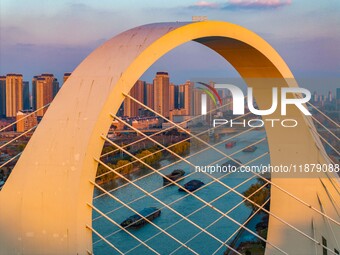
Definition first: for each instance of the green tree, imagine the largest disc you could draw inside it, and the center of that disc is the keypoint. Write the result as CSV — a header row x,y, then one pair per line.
x,y
21,147
107,149
259,197
149,157
125,168
181,148
101,170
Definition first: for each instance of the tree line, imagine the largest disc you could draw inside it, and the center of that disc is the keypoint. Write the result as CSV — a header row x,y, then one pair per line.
x,y
124,166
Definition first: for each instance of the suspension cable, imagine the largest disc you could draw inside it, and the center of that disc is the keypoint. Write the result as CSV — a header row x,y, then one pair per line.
x,y
200,199
10,160
17,137
246,222
171,127
236,192
197,210
217,150
104,239
26,116
173,163
327,129
264,154
124,229
146,219
326,116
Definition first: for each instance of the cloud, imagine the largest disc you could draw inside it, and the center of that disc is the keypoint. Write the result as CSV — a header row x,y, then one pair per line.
x,y
256,4
205,5
240,4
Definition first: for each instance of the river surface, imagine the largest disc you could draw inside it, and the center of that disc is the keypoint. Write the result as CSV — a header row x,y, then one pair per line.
x,y
218,228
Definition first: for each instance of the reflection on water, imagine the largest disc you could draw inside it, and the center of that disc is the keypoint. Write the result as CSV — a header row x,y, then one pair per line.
x,y
189,206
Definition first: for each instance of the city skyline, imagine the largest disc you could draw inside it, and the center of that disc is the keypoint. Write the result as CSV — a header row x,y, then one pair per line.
x,y
306,40
16,95
182,99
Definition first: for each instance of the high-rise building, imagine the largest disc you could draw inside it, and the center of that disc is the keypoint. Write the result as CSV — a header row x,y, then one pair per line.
x,y
14,94
321,100
66,76
176,97
184,95
196,103
172,96
55,87
26,95
34,92
330,96
26,120
180,97
149,95
2,96
44,94
188,86
227,102
161,93
44,90
131,108
315,97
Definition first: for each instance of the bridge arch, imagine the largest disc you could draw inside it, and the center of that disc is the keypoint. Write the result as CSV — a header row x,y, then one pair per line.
x,y
44,202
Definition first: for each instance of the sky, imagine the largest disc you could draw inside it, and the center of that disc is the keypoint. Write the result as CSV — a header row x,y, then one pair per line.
x,y
55,36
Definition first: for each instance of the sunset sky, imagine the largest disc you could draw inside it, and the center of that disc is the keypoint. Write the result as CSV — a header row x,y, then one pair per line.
x,y
54,36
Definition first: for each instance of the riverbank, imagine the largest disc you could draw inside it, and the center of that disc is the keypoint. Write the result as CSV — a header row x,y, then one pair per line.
x,y
245,242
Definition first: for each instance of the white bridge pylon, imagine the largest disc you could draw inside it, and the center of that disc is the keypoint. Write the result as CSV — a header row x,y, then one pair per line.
x,y
44,203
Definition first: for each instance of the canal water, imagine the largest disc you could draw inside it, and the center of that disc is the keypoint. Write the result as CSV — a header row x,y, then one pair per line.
x,y
195,210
